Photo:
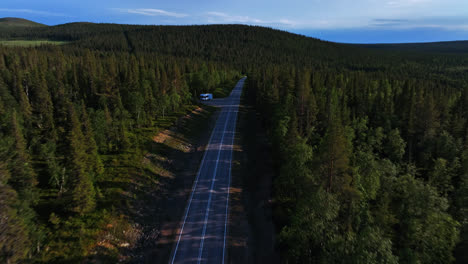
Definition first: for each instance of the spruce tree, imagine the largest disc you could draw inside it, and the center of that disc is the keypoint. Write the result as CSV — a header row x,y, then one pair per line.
x,y
23,175
94,163
42,108
335,147
81,190
14,240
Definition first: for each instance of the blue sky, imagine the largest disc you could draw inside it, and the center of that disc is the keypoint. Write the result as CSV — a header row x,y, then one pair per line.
x,y
353,21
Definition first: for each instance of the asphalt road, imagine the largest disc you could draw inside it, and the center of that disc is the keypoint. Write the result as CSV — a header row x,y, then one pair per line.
x,y
203,231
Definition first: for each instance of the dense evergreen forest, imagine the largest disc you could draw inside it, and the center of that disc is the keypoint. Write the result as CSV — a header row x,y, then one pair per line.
x,y
371,143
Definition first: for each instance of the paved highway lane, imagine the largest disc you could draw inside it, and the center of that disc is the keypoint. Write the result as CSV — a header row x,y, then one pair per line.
x,y
203,231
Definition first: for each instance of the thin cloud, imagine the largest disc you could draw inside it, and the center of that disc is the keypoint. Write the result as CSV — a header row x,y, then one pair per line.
x,y
223,17
150,12
326,24
31,11
443,23
383,22
403,3
220,17
389,21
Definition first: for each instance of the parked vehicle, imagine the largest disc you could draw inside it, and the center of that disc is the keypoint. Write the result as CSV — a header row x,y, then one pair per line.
x,y
206,96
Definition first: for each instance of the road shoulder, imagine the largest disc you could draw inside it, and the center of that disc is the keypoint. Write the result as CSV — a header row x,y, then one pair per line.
x,y
251,228
182,147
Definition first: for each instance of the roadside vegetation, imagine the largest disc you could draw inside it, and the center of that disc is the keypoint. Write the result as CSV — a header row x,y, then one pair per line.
x,y
74,132
371,166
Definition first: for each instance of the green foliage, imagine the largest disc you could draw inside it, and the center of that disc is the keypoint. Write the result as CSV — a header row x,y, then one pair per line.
x,y
14,242
312,231
335,147
23,178
80,193
395,147
386,172
63,110
428,232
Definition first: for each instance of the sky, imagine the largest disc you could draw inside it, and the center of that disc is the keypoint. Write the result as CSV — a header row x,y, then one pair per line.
x,y
350,21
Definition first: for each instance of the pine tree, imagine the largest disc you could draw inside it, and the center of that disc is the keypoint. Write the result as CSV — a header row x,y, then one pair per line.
x,y
43,108
81,191
302,94
24,178
14,241
22,95
335,147
94,163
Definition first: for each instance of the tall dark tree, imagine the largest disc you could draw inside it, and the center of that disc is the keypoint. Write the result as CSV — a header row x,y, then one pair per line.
x,y
14,239
80,193
23,175
335,147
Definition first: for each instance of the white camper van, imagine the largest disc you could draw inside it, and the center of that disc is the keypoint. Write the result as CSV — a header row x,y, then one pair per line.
x,y
206,96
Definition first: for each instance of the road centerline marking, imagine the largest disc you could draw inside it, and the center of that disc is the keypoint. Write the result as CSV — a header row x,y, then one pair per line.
x,y
193,191
198,197
207,212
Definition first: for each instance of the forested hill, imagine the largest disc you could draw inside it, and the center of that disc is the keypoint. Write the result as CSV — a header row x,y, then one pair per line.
x,y
245,46
234,43
370,143
18,22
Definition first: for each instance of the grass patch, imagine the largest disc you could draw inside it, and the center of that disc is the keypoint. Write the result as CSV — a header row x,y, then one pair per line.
x,y
194,129
129,175
30,43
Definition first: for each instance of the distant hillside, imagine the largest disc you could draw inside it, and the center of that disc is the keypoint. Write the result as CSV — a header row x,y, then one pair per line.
x,y
433,47
238,44
18,22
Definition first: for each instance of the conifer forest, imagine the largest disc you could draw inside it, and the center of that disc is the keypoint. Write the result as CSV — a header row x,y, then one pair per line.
x,y
370,142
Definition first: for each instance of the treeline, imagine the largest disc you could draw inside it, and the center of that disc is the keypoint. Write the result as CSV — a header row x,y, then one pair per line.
x,y
245,47
61,110
372,167
240,45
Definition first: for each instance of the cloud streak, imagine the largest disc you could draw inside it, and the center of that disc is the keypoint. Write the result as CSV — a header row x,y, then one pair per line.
x,y
151,12
390,21
440,23
405,3
225,18
31,11
444,23
220,17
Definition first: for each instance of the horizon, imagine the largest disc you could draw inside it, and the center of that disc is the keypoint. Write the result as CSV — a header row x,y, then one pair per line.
x,y
359,22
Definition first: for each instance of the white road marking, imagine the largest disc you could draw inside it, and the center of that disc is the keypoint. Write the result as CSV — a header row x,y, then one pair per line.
x,y
227,200
229,185
191,196
207,212
228,107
